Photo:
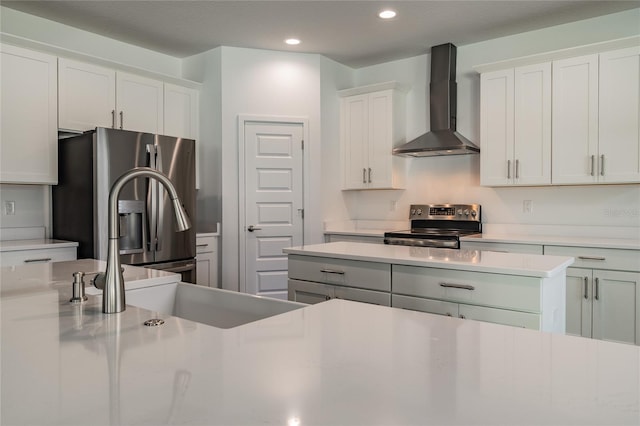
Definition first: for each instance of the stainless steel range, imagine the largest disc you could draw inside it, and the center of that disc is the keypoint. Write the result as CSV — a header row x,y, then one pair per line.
x,y
438,225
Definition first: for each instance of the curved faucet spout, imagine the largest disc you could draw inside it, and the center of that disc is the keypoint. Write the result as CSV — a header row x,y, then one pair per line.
x,y
113,300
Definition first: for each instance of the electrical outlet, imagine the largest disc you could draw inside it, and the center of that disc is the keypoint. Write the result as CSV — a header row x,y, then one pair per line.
x,y
527,206
9,208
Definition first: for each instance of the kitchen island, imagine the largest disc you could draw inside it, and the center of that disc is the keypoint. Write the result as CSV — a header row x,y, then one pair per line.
x,y
334,363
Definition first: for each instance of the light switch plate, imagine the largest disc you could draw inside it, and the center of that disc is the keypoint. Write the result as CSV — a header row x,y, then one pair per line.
x,y
9,208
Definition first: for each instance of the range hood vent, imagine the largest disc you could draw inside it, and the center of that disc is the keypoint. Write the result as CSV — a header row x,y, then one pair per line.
x,y
443,138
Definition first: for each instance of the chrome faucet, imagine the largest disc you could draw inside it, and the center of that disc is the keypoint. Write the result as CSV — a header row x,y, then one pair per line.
x,y
112,281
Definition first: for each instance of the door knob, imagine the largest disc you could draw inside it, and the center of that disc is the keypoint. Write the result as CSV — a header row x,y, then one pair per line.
x,y
252,228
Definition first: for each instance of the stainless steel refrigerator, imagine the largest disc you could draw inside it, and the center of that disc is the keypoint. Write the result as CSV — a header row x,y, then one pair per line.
x,y
89,163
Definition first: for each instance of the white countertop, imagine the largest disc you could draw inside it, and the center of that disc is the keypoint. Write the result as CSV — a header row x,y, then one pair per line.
x,y
35,244
556,240
335,363
530,265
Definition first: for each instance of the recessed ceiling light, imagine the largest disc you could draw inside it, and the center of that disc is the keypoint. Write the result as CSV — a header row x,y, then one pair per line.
x,y
387,14
292,41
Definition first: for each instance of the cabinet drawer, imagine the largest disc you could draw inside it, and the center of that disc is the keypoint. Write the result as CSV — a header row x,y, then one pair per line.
x,y
22,257
478,288
425,305
599,258
502,247
205,244
351,273
366,296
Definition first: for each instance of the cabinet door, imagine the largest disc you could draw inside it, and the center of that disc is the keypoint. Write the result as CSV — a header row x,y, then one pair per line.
x,y
354,130
496,128
87,96
203,270
532,125
180,111
615,306
425,305
29,119
619,125
379,170
309,292
575,120
500,316
578,304
139,103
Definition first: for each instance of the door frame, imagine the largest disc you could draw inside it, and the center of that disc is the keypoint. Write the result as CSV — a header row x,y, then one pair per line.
x,y
243,119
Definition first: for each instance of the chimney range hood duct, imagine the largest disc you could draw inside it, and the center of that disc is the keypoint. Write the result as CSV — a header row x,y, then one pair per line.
x,y
443,138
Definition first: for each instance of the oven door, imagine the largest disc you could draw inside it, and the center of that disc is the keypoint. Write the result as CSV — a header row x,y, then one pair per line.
x,y
186,268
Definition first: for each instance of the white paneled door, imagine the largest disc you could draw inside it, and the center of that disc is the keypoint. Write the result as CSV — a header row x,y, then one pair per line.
x,y
273,204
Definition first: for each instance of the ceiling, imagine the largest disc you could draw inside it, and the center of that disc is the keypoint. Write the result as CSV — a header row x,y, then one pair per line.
x,y
346,31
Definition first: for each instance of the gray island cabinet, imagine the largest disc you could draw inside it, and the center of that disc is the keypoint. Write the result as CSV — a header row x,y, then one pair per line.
x,y
521,290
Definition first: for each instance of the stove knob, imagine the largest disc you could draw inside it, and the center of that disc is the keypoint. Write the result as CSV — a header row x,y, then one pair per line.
x,y
459,212
466,212
413,211
473,213
419,212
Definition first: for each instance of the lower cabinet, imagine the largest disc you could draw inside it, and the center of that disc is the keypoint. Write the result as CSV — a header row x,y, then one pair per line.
x,y
207,260
316,279
26,257
603,304
529,302
312,292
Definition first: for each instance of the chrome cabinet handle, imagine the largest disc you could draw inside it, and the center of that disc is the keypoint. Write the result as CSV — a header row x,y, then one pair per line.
x,y
369,174
602,165
586,287
460,286
597,291
202,245
593,165
252,228
364,175
508,169
591,258
463,317
517,169
42,259
121,120
332,271
113,118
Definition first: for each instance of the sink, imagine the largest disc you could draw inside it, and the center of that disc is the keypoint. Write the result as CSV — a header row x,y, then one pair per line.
x,y
211,306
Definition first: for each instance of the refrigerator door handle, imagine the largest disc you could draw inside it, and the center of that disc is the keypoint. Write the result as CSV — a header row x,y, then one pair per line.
x,y
152,200
160,203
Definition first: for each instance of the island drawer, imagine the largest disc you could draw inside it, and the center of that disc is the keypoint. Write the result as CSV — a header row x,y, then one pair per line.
x,y
599,258
352,273
502,247
475,288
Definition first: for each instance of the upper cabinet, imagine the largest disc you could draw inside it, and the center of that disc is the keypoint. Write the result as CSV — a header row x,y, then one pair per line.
x,y
573,120
371,125
596,116
94,96
181,111
516,126
28,123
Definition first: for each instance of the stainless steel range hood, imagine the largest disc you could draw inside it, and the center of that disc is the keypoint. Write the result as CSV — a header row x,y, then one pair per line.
x,y
443,138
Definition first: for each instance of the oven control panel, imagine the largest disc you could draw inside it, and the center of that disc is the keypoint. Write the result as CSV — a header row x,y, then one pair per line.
x,y
468,212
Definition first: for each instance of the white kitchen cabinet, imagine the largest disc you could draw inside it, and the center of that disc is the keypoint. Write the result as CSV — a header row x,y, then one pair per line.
x,y
518,301
596,118
603,293
28,123
371,125
207,260
95,96
140,102
515,132
330,238
619,116
181,111
316,279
